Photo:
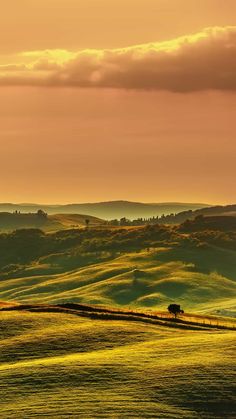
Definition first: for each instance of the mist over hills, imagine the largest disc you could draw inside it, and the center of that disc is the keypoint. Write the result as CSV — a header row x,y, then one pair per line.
x,y
17,219
222,217
107,210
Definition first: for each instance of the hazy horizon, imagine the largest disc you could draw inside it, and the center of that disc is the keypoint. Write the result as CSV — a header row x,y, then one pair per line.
x,y
75,202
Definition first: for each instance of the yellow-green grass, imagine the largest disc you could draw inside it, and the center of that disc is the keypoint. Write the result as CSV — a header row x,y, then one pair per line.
x,y
69,221
136,280
10,222
59,365
75,220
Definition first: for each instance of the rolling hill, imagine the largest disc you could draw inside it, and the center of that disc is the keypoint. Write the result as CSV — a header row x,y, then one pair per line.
x,y
149,279
85,330
215,211
107,210
62,365
137,267
12,221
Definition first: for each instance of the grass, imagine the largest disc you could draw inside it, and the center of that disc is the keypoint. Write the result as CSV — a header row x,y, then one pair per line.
x,y
146,280
59,365
10,221
190,321
74,220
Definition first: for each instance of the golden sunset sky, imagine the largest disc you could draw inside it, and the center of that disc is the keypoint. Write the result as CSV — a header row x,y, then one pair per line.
x,y
118,99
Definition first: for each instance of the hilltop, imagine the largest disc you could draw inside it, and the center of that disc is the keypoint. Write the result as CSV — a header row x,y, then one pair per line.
x,y
17,220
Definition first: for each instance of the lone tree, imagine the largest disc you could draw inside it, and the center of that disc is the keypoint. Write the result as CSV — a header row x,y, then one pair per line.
x,y
87,221
175,309
41,214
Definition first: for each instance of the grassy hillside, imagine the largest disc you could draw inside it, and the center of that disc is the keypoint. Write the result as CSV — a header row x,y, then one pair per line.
x,y
60,365
148,279
12,221
147,267
75,220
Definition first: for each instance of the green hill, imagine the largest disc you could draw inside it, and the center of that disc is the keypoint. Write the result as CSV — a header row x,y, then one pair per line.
x,y
58,364
17,220
148,279
136,267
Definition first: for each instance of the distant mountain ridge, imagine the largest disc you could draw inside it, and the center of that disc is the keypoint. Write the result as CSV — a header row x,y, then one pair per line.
x,y
107,210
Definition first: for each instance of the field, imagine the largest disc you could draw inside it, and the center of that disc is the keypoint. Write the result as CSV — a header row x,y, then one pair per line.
x,y
60,365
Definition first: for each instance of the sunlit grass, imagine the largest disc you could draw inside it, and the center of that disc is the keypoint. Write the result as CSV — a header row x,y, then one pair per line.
x,y
54,364
131,280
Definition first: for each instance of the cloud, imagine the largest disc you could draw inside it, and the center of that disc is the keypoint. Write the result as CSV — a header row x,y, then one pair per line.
x,y
203,61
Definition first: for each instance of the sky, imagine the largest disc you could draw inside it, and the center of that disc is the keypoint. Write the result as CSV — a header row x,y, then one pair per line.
x,y
118,99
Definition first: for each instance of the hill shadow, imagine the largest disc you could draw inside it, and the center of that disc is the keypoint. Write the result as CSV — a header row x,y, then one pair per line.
x,y
205,260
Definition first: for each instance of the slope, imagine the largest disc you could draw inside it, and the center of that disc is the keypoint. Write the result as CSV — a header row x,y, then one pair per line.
x,y
61,365
150,279
13,221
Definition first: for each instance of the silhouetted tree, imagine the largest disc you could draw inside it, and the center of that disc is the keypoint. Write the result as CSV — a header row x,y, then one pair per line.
x,y
175,309
87,221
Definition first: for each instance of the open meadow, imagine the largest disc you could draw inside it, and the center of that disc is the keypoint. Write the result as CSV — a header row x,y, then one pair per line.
x,y
61,365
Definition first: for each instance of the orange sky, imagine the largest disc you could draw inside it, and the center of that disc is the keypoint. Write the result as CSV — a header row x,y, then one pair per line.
x,y
84,118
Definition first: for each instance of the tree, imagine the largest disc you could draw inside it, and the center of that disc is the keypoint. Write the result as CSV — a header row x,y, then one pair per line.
x,y
41,214
124,221
87,221
175,309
